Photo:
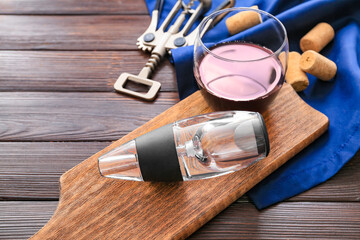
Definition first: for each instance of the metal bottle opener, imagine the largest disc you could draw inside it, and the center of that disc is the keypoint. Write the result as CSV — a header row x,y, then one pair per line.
x,y
160,42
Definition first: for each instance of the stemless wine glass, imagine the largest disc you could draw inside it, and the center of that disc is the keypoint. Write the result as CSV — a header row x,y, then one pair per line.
x,y
244,67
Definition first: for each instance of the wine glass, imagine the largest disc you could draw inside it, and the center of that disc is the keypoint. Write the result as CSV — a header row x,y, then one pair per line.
x,y
244,66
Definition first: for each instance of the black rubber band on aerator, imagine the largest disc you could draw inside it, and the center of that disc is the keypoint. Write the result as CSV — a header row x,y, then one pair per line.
x,y
157,155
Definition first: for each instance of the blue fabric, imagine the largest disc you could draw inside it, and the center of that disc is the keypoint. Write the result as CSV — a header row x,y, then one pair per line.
x,y
338,99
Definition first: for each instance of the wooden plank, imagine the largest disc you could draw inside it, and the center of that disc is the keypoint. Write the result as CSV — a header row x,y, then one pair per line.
x,y
92,206
72,7
19,220
285,221
75,70
71,32
33,116
320,220
31,170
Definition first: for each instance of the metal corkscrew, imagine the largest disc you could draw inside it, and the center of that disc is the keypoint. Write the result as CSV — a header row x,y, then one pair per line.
x,y
162,40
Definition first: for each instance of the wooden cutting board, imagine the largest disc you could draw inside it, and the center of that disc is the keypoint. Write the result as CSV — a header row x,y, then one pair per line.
x,y
94,207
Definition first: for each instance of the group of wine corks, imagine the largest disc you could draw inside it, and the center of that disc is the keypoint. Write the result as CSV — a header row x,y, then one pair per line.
x,y
311,61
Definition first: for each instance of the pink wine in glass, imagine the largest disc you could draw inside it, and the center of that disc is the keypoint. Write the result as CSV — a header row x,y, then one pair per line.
x,y
241,71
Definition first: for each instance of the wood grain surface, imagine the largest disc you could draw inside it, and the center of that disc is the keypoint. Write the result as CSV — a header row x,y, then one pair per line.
x,y
73,7
99,47
319,220
49,160
89,32
92,206
40,179
291,220
75,71
59,116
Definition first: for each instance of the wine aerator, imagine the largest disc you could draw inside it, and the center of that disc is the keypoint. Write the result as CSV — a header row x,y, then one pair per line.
x,y
195,148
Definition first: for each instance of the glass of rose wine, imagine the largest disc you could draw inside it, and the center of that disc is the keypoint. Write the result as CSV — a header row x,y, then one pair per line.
x,y
246,66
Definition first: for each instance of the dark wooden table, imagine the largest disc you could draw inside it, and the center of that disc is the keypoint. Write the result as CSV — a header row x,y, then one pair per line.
x,y
59,60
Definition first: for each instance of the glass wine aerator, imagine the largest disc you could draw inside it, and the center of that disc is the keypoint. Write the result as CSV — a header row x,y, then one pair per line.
x,y
199,147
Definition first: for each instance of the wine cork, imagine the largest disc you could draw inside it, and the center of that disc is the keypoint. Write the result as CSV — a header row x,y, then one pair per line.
x,y
317,38
296,77
243,20
318,65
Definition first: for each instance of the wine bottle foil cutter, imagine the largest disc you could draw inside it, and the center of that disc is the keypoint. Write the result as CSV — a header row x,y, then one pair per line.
x,y
199,147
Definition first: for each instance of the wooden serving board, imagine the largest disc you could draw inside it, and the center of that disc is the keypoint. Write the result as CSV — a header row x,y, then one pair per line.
x,y
94,207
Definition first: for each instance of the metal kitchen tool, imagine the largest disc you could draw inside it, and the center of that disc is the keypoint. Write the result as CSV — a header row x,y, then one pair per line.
x,y
160,41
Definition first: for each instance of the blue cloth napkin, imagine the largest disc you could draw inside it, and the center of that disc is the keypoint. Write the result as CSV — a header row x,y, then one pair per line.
x,y
339,99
